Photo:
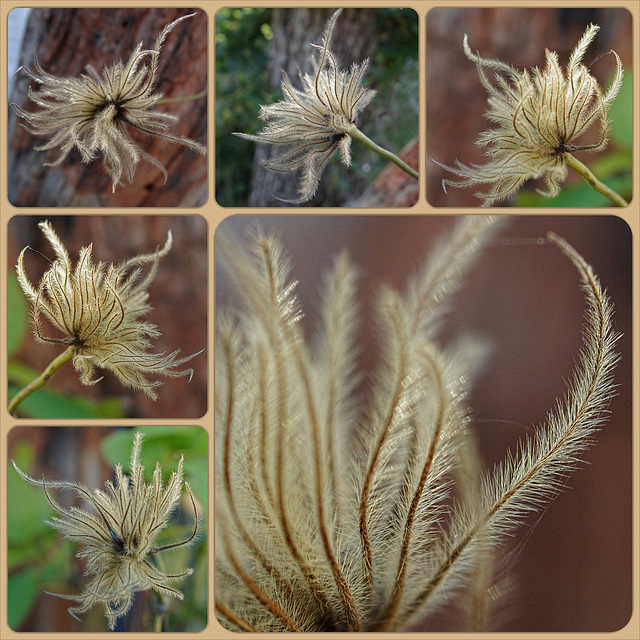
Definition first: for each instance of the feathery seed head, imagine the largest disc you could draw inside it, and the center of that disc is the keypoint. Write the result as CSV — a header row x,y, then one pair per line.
x,y
98,309
117,536
539,115
333,517
91,113
313,122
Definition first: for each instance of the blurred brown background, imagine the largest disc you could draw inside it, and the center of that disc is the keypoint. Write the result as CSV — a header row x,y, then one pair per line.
x,y
570,570
178,297
456,99
66,40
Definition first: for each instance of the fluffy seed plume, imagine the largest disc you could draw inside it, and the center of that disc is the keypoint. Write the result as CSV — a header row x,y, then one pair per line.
x,y
91,113
117,535
539,115
335,514
98,309
311,123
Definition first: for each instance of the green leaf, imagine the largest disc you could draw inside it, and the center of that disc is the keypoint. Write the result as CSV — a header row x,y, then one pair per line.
x,y
22,594
59,566
164,445
27,506
45,403
612,164
20,374
621,114
578,195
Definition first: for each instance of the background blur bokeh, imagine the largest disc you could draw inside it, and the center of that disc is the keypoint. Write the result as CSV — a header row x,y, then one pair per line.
x,y
254,46
39,558
570,569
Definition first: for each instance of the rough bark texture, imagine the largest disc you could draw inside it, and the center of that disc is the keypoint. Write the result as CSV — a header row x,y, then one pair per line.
x,y
353,40
178,296
394,187
66,40
456,100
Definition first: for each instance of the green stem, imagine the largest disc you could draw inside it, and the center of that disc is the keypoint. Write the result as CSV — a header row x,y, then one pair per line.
x,y
42,379
160,608
590,179
356,134
195,96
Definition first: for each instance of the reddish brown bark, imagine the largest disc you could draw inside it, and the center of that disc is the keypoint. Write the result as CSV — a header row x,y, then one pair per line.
x,y
66,40
394,187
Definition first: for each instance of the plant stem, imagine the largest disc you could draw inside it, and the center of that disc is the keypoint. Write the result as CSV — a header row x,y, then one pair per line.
x,y
42,379
157,622
160,608
356,134
590,179
195,96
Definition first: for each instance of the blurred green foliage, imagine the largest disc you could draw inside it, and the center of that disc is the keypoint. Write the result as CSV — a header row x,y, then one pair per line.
x,y
391,120
612,167
39,558
242,37
44,403
36,554
165,445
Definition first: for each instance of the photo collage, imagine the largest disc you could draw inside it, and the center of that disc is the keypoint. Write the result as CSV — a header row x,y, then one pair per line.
x,y
319,319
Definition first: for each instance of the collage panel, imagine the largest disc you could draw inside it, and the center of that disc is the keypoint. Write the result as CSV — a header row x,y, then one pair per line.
x,y
402,418
529,106
317,107
109,108
107,529
107,316
421,420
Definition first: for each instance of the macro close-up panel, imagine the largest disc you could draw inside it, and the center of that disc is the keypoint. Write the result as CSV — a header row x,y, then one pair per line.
x,y
317,107
109,108
529,107
107,316
423,423
107,529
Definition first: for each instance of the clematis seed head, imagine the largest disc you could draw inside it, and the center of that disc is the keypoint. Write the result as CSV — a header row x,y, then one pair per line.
x,y
539,115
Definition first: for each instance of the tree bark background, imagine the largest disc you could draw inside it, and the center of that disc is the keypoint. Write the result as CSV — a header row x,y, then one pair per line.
x,y
66,40
178,297
61,453
353,40
394,187
456,100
